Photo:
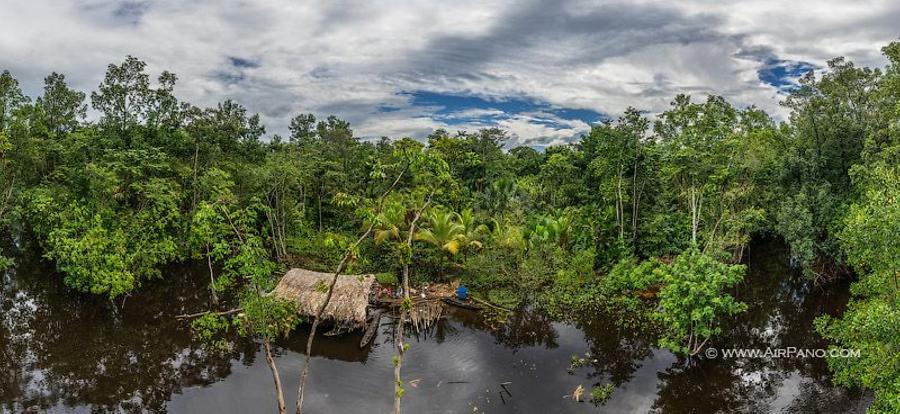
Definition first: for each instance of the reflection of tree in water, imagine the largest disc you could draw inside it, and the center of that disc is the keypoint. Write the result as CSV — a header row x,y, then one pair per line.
x,y
525,328
780,314
616,351
439,331
816,398
61,347
714,387
528,327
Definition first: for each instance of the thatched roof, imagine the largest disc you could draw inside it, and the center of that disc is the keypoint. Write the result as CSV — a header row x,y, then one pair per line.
x,y
307,289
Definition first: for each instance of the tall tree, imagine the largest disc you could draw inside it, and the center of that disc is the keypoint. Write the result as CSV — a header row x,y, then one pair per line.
x,y
62,108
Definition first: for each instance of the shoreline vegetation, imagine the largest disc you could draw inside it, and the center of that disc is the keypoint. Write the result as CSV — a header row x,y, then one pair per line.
x,y
649,215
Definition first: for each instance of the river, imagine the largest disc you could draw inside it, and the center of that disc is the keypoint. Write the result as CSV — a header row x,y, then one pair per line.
x,y
68,352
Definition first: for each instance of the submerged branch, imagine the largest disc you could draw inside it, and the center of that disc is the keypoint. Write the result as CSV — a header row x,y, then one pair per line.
x,y
204,313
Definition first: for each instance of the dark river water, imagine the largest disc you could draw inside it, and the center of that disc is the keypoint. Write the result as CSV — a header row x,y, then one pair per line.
x,y
68,352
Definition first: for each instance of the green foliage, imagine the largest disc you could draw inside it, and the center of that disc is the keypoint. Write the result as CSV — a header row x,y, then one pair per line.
x,y
629,276
6,262
442,231
871,326
870,234
107,252
693,300
797,227
210,328
267,317
871,323
385,278
94,258
320,251
600,394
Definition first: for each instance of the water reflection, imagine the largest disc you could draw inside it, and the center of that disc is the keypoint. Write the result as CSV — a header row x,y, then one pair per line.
x,y
782,307
62,351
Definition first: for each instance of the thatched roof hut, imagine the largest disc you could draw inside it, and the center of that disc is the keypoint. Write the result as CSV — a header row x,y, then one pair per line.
x,y
308,289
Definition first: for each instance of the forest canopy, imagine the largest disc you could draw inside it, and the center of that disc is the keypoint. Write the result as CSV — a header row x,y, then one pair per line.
x,y
660,205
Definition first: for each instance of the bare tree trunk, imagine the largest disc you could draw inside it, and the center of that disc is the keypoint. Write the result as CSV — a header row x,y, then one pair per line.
x,y
212,277
696,204
194,183
279,393
620,207
699,213
398,362
320,209
343,264
401,347
694,218
634,198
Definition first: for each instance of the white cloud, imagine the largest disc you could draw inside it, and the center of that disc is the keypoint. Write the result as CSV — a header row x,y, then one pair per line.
x,y
350,58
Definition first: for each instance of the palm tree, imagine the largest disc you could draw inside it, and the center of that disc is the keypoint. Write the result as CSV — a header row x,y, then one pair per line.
x,y
551,229
443,232
508,236
561,228
498,196
472,233
388,223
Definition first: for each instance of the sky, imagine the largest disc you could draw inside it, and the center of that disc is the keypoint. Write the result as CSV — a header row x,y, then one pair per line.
x,y
545,71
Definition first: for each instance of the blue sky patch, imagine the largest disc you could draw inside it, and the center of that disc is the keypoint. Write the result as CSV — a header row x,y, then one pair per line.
x,y
783,74
458,109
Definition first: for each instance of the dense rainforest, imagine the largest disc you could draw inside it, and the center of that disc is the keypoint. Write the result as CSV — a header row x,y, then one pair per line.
x,y
650,216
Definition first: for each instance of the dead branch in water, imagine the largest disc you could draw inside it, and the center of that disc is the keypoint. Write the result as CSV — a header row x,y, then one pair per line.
x,y
204,313
484,302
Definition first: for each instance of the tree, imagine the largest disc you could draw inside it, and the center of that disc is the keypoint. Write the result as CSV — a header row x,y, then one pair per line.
x,y
696,136
11,98
871,324
210,229
62,108
473,233
692,300
616,163
830,117
303,127
442,231
123,98
370,212
260,315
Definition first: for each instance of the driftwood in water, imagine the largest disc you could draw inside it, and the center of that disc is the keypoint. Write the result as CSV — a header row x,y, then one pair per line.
x,y
371,330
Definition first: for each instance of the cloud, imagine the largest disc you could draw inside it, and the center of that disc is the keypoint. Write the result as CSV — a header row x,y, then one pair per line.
x,y
377,64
